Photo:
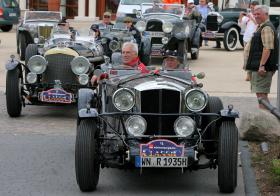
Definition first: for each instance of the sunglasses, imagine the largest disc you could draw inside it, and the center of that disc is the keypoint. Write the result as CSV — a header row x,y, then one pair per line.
x,y
107,16
127,21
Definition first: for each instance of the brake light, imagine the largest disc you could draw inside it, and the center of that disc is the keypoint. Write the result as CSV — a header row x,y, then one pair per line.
x,y
1,12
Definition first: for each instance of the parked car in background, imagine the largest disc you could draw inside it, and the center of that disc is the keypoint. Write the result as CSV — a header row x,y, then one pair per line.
x,y
223,25
129,8
167,28
9,14
52,74
35,28
113,37
162,119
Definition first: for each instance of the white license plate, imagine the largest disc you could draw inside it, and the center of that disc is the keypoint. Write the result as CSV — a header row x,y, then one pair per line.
x,y
163,161
12,14
209,34
155,34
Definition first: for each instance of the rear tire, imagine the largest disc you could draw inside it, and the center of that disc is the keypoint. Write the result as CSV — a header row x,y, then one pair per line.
x,y
31,50
227,157
87,163
6,28
13,92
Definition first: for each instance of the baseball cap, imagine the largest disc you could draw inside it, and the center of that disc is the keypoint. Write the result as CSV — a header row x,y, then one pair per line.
x,y
127,19
190,1
107,14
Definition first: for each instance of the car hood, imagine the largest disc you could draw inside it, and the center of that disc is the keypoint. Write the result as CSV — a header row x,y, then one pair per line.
x,y
142,82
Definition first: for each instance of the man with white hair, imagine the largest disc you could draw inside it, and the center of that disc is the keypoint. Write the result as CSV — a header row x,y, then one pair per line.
x,y
261,54
130,59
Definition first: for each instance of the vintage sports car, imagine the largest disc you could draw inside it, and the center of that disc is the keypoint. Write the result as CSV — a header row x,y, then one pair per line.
x,y
52,74
223,25
35,28
113,37
167,28
162,119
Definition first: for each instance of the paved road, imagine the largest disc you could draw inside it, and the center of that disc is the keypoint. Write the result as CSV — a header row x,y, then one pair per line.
x,y
37,149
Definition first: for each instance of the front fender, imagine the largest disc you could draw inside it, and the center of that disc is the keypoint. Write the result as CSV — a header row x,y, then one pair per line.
x,y
229,24
85,98
229,113
12,64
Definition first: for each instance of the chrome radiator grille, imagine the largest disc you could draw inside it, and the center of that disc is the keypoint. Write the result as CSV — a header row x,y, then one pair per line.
x,y
160,101
59,68
154,26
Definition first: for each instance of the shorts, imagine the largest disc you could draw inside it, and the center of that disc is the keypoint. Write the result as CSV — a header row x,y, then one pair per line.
x,y
261,84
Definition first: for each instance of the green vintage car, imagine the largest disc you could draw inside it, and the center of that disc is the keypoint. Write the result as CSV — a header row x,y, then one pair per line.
x,y
9,14
223,25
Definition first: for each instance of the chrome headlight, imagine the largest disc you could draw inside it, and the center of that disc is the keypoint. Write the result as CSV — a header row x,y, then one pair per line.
x,y
124,99
80,65
220,18
167,27
141,25
37,64
83,79
196,100
114,45
184,126
31,78
164,40
136,125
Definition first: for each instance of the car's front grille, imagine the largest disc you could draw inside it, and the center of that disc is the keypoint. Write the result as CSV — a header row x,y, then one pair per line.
x,y
212,23
160,101
154,26
59,68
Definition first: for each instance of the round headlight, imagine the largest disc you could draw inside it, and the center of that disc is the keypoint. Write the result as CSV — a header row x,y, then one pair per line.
x,y
220,18
136,125
114,45
164,40
83,79
141,26
196,100
80,65
167,27
37,64
124,99
184,126
31,78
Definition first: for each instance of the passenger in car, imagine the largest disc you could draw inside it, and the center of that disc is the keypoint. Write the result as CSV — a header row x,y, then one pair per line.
x,y
130,59
95,31
171,60
128,21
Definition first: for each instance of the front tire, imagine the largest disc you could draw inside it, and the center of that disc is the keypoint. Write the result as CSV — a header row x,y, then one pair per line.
x,y
87,163
13,92
6,28
227,157
231,39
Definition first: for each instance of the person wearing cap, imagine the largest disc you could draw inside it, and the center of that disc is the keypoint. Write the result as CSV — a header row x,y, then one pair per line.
x,y
63,25
191,11
106,19
96,32
128,21
171,60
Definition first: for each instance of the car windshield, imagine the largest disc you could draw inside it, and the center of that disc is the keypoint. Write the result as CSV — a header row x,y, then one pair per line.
x,y
240,4
160,8
10,3
42,15
135,2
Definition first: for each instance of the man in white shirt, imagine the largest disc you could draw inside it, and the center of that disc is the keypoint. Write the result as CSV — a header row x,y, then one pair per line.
x,y
248,25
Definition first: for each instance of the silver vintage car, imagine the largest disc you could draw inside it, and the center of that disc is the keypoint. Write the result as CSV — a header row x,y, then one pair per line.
x,y
162,119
